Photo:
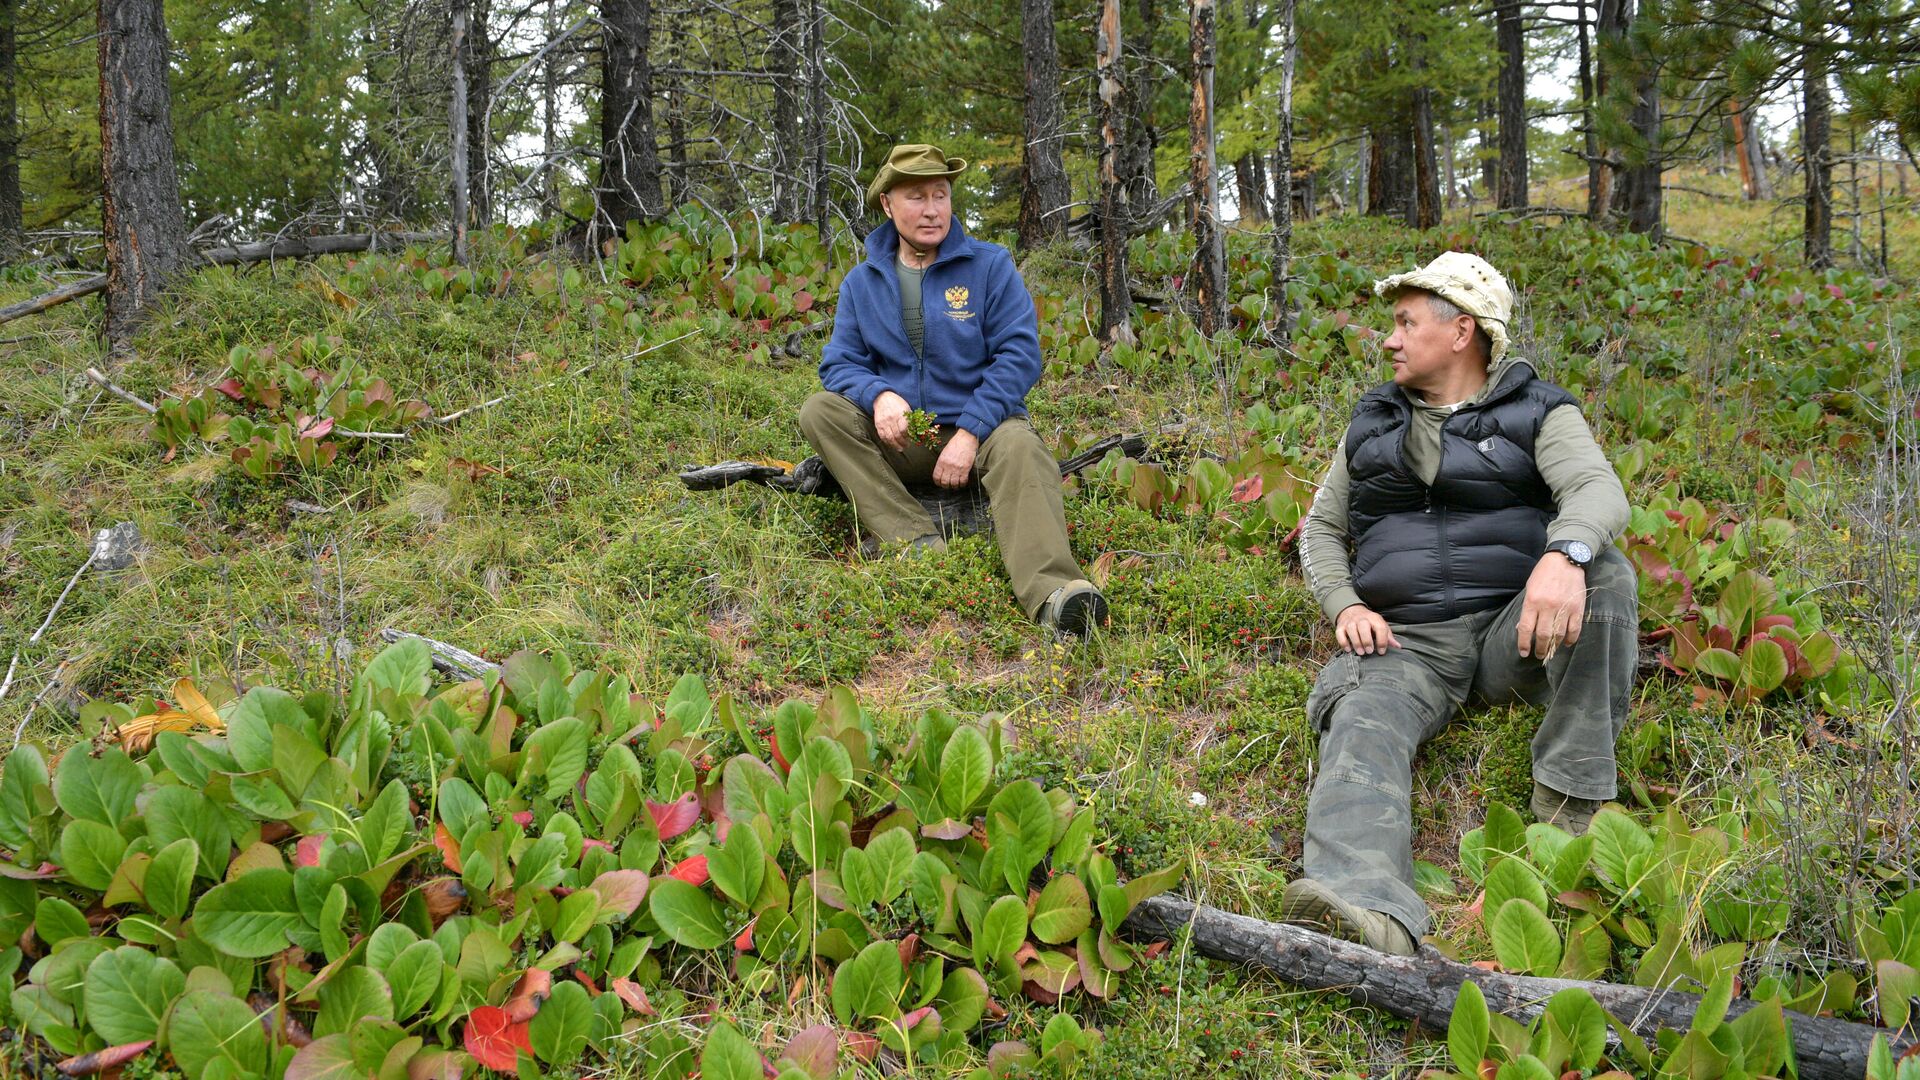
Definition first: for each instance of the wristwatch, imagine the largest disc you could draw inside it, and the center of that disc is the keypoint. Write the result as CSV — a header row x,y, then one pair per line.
x,y
1576,551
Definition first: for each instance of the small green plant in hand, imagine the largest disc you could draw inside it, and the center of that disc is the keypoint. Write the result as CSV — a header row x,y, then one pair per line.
x,y
924,428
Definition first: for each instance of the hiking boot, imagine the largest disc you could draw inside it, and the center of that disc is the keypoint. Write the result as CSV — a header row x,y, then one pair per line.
x,y
1074,608
1308,903
1550,807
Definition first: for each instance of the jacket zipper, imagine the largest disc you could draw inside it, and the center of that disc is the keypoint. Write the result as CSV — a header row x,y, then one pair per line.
x,y
1446,560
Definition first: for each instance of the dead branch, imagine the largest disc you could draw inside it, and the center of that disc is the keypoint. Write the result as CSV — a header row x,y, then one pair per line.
x,y
231,255
448,659
1422,988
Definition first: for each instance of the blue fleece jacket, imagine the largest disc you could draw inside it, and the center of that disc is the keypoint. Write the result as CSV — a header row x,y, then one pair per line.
x,y
982,345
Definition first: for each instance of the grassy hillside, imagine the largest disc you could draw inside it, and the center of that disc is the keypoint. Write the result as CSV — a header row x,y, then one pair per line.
x,y
1742,400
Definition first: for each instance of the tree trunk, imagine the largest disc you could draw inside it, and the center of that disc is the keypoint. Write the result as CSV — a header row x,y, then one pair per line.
x,y
629,156
11,235
1422,988
479,69
1816,129
1642,179
1390,173
1282,265
1489,149
1612,17
673,180
1589,140
817,114
1426,177
1757,158
1511,33
1737,125
457,124
784,61
1136,166
549,115
1447,167
1247,188
1044,192
1210,265
1116,299
145,227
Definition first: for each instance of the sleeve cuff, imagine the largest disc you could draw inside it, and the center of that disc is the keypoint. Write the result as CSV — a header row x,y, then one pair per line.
x,y
1339,600
972,423
868,393
1570,530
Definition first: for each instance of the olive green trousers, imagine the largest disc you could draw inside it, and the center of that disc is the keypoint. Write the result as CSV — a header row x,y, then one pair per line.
x,y
1019,474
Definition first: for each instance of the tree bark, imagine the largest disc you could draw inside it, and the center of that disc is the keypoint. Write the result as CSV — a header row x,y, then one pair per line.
x,y
1611,21
817,114
1511,33
1282,264
629,156
145,226
1116,299
1816,129
1757,157
784,63
1642,178
1737,124
1210,259
1425,210
1246,184
1044,191
1422,988
11,231
1390,173
457,123
549,115
1489,148
1137,170
478,65
1589,139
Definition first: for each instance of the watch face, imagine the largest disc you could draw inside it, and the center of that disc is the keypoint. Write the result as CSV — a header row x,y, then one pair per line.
x,y
1579,552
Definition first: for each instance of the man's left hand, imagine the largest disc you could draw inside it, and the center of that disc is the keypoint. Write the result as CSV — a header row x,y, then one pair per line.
x,y
956,461
1556,602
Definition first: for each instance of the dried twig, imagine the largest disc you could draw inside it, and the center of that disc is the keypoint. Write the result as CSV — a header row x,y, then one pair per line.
x,y
582,370
100,379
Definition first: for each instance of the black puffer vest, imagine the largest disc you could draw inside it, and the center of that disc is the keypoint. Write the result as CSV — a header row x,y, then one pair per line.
x,y
1467,543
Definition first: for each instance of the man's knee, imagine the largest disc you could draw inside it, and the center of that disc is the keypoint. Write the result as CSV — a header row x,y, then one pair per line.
x,y
1612,589
825,411
1015,444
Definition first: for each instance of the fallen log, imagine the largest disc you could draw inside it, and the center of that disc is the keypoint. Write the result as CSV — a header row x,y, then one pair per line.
x,y
447,659
299,247
1422,988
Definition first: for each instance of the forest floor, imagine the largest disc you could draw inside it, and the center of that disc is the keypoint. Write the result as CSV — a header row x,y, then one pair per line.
x,y
554,521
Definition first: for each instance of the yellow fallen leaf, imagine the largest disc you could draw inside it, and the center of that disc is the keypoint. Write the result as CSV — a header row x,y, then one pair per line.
x,y
139,733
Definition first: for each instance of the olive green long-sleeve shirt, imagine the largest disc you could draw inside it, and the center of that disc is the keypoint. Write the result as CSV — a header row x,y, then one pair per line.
x,y
1593,505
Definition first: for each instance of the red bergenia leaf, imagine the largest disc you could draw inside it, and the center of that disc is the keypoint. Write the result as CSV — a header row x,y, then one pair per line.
x,y
630,992
622,889
493,1040
231,387
743,942
675,817
307,851
692,871
523,818
1248,490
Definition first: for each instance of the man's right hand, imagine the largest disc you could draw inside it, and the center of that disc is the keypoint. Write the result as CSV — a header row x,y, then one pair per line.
x,y
890,419
1360,629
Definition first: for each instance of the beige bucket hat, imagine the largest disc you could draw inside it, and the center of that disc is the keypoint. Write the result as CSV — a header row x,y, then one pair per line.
x,y
912,161
1470,283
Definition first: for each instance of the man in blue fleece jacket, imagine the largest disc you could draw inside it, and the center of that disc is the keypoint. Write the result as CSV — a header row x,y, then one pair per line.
x,y
938,321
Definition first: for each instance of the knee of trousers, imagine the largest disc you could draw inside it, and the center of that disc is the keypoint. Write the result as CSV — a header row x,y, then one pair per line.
x,y
825,411
1369,739
1613,592
1015,446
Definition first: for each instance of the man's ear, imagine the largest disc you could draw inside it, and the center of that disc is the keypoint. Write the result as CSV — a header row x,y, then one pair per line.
x,y
1463,330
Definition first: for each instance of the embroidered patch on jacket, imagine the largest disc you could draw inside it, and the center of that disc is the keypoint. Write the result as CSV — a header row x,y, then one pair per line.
x,y
957,303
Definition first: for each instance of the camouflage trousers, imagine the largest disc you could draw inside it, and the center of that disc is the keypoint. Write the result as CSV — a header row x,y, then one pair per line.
x,y
1373,712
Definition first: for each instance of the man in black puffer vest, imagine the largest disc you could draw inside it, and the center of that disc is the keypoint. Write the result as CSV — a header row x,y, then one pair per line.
x,y
1462,545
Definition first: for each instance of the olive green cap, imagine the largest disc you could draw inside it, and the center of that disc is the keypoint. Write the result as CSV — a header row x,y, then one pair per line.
x,y
912,161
